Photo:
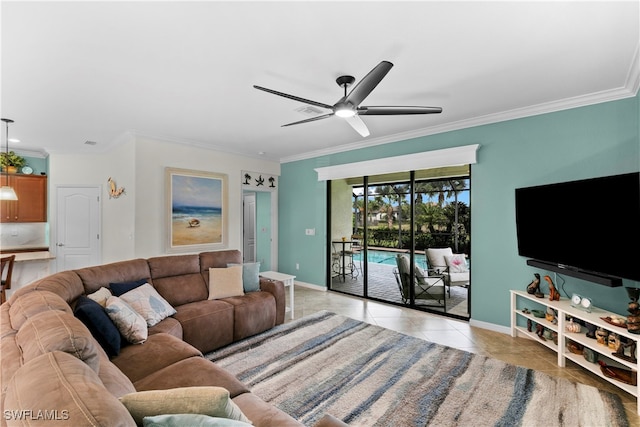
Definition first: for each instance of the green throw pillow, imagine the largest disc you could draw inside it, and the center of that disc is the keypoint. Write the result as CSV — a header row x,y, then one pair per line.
x,y
211,401
250,276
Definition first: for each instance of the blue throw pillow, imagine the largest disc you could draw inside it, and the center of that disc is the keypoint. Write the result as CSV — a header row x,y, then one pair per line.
x,y
99,324
118,289
191,420
250,276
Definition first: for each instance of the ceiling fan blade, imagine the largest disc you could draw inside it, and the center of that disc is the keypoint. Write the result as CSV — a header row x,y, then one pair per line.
x,y
357,123
295,98
393,111
368,83
312,119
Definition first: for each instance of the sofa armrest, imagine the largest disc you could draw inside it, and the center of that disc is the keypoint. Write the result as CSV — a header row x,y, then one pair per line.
x,y
330,421
276,288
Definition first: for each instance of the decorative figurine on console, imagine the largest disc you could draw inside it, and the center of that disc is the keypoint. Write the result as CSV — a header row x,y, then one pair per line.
x,y
551,316
554,295
540,332
633,319
626,350
533,288
591,330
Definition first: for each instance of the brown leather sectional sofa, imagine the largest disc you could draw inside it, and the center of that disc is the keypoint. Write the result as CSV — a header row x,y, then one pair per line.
x,y
54,372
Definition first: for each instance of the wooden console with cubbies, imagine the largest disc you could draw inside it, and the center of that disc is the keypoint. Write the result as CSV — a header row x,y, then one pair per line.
x,y
521,300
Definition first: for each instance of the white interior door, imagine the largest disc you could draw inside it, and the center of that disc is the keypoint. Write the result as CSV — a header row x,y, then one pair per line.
x,y
249,227
77,227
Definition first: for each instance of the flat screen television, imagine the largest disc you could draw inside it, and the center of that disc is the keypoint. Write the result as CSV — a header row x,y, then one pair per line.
x,y
590,226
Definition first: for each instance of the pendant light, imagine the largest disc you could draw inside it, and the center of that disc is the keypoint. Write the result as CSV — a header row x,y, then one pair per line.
x,y
6,192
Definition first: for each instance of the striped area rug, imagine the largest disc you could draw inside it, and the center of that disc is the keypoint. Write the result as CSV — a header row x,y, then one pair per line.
x,y
371,376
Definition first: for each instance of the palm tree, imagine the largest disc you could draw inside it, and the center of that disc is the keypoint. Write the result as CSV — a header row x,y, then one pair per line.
x,y
385,197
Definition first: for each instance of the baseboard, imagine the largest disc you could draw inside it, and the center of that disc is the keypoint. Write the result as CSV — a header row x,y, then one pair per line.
x,y
490,326
311,286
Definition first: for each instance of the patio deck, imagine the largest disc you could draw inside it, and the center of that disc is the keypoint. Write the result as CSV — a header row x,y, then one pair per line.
x,y
382,285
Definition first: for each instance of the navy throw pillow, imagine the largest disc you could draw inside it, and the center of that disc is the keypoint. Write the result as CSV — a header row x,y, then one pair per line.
x,y
96,319
118,289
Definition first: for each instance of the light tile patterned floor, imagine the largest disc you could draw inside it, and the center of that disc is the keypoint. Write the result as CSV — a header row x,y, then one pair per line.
x,y
454,333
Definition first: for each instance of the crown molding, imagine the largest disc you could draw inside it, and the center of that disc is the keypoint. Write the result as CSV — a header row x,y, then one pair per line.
x,y
629,90
39,154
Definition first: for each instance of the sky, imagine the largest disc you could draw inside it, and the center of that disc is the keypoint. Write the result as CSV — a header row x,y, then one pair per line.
x,y
196,191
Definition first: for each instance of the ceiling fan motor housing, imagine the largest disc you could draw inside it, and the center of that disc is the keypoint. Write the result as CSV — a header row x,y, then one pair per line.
x,y
345,81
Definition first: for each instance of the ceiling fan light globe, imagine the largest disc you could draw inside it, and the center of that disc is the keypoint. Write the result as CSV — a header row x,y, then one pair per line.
x,y
345,112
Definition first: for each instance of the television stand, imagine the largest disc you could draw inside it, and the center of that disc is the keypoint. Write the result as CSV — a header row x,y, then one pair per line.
x,y
601,279
564,311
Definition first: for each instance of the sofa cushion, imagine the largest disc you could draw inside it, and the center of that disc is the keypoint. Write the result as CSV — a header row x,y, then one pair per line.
x,y
96,319
275,288
33,303
190,372
207,324
263,414
212,401
253,313
57,331
191,420
67,386
217,259
130,323
93,278
177,278
120,288
250,276
159,351
225,282
148,303
113,378
66,284
168,326
11,359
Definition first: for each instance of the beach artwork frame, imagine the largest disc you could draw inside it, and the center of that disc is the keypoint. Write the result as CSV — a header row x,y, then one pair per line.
x,y
197,210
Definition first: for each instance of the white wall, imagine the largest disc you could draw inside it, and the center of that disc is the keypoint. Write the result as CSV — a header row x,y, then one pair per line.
x,y
341,209
94,170
133,225
153,156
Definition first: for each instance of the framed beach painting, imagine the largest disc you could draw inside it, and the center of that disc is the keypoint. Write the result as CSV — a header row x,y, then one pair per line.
x,y
196,210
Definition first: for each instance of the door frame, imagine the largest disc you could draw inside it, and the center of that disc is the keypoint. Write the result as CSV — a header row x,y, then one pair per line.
x,y
247,196
274,226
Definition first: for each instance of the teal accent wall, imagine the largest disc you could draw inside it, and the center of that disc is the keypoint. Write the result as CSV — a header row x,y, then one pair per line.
x,y
585,142
38,164
263,230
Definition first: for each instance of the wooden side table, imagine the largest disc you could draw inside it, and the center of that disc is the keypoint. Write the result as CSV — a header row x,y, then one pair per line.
x,y
288,282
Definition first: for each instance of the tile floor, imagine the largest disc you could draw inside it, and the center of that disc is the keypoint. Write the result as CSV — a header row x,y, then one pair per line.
x,y
454,333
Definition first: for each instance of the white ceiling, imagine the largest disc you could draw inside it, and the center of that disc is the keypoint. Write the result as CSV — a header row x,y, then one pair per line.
x,y
183,71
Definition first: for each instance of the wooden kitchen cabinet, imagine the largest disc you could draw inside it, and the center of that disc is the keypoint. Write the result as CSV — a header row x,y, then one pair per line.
x,y
31,205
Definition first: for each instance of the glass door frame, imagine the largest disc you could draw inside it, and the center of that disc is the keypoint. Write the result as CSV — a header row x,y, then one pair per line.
x,y
412,257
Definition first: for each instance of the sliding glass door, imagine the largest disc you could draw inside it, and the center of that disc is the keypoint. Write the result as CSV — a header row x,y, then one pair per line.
x,y
385,229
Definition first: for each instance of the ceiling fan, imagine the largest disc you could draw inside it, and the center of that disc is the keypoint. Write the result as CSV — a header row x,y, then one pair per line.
x,y
348,107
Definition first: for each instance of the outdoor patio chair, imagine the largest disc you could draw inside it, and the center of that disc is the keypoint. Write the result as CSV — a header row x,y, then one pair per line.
x,y
426,288
452,266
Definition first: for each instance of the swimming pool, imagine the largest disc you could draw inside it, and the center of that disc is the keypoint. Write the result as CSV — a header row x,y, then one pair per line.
x,y
387,257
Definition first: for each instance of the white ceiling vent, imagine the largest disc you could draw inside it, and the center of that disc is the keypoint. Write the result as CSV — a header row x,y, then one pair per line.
x,y
90,143
309,110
